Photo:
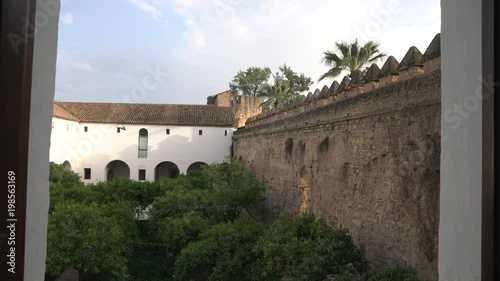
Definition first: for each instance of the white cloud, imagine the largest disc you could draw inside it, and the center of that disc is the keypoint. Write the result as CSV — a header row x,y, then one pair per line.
x,y
240,35
220,37
67,18
64,60
147,7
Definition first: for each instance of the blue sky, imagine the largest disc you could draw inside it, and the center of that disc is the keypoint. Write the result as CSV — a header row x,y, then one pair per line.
x,y
181,51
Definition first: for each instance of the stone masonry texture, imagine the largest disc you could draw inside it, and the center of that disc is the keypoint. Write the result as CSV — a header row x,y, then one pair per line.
x,y
369,163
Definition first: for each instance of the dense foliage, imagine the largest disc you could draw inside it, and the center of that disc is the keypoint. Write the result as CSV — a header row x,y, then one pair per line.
x,y
303,248
223,252
87,238
297,82
250,81
286,86
200,227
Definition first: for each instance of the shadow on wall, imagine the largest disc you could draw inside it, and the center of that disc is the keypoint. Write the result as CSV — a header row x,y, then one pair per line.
x,y
117,169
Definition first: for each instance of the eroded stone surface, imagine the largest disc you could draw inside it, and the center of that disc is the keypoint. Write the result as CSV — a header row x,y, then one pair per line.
x,y
369,163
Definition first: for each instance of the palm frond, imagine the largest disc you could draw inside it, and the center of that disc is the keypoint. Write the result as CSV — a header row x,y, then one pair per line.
x,y
331,73
350,56
377,57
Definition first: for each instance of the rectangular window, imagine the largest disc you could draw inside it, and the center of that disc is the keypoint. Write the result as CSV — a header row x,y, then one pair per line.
x,y
142,175
168,131
225,133
87,173
200,132
143,144
118,130
85,129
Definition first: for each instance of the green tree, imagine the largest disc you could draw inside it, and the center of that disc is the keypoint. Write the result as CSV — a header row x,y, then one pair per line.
x,y
251,81
59,174
122,212
86,238
65,185
350,57
298,83
234,189
223,252
276,94
188,209
303,248
140,194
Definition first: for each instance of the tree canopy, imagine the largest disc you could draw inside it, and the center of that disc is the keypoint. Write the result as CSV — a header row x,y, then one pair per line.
x,y
276,94
251,81
350,57
297,83
86,238
201,227
306,248
285,85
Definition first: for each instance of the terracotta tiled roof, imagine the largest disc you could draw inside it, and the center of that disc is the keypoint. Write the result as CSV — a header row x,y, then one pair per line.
x,y
59,112
154,114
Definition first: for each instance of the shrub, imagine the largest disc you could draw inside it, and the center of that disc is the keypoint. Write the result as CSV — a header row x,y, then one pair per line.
x,y
224,252
59,174
303,248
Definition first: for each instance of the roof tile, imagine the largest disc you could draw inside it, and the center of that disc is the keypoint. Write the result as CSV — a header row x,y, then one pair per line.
x,y
153,114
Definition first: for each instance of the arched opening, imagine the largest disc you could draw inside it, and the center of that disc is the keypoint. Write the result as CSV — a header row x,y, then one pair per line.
x,y
304,189
166,170
117,169
67,165
196,166
143,143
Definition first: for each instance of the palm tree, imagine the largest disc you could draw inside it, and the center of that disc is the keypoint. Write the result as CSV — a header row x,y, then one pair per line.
x,y
351,57
275,94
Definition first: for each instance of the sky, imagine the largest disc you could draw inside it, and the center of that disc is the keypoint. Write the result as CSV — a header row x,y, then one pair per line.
x,y
182,51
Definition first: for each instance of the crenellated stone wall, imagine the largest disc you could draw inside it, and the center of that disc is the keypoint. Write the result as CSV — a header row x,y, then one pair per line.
x,y
243,106
364,154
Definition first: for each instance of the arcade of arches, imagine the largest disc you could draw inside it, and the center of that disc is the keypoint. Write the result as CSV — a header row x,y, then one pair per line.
x,y
166,169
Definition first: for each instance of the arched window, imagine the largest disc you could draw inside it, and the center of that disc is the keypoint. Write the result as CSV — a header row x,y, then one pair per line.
x,y
143,143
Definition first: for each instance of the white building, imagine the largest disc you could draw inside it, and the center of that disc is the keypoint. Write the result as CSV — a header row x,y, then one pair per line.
x,y
103,141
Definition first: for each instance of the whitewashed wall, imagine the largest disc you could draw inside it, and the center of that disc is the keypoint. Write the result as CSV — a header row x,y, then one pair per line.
x,y
63,139
101,144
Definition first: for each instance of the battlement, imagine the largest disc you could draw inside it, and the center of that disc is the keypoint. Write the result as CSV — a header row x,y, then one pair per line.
x,y
414,63
243,106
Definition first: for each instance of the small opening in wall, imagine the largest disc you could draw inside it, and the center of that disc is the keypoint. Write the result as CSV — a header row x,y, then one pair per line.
x,y
289,146
168,131
200,132
87,173
118,130
323,146
85,129
67,127
225,133
142,175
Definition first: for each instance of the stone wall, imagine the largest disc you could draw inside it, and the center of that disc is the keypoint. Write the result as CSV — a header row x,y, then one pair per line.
x,y
243,106
363,154
246,107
